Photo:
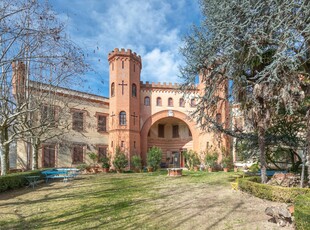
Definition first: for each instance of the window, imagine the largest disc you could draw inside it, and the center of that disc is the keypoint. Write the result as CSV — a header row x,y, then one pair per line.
x,y
158,101
161,130
112,89
122,118
193,103
218,118
170,102
111,143
122,144
189,132
77,155
102,152
49,155
78,121
147,101
112,65
175,131
182,102
134,90
122,64
48,115
102,123
134,144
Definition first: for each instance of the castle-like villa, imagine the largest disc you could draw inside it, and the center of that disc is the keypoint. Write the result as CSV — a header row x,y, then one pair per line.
x,y
137,116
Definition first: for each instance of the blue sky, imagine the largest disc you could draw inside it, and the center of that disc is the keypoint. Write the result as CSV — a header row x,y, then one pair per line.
x,y
152,28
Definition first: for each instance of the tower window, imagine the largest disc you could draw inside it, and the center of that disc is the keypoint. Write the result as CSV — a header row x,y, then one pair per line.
x,y
122,144
158,101
193,103
134,90
147,101
218,118
134,144
122,64
112,65
182,102
170,102
161,130
122,118
112,89
175,131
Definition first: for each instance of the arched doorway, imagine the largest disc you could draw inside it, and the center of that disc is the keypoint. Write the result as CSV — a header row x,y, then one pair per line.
x,y
173,132
173,136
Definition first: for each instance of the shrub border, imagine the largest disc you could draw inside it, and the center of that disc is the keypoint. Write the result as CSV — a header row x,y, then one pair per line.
x,y
299,196
275,193
16,180
302,212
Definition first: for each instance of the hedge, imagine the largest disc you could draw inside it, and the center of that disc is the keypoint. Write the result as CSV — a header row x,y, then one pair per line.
x,y
302,212
16,180
275,193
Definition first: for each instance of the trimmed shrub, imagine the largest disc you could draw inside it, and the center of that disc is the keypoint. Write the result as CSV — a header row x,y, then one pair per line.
x,y
275,193
153,157
120,160
16,180
302,212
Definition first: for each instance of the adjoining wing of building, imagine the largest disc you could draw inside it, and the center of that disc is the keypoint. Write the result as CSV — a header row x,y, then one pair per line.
x,y
136,116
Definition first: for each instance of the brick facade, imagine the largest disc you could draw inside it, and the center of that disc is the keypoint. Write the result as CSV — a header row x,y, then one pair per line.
x,y
138,115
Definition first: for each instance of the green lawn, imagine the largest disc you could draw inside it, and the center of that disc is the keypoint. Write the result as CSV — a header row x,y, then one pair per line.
x,y
123,201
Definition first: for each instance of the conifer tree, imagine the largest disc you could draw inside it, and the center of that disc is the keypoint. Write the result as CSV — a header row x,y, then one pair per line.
x,y
262,48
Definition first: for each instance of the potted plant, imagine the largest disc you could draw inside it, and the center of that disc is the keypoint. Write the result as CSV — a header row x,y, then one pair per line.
x,y
105,164
93,156
136,163
211,161
226,163
192,160
153,159
120,160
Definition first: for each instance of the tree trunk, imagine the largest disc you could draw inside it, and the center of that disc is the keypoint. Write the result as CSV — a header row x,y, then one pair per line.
x,y
35,142
4,152
308,145
262,150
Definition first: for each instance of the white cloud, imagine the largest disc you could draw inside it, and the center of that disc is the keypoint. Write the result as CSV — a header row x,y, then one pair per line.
x,y
150,28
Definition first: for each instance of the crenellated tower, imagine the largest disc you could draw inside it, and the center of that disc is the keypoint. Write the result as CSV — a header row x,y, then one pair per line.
x,y
124,121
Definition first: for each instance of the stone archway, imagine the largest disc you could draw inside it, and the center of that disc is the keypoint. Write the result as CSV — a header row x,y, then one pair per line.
x,y
162,115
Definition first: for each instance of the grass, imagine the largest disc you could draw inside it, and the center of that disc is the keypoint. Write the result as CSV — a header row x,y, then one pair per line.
x,y
106,201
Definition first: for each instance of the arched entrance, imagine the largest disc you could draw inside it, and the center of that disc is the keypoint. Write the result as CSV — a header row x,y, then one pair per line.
x,y
173,132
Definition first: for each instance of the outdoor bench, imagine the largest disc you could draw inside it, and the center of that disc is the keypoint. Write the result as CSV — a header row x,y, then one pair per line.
x,y
64,174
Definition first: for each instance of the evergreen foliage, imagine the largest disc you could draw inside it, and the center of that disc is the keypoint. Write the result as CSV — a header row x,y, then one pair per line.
x,y
120,160
154,156
261,50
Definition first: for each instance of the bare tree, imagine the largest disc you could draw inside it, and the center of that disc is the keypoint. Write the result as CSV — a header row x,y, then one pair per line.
x,y
262,49
34,41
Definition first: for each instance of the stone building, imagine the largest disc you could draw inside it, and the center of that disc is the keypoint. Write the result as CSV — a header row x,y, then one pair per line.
x,y
136,116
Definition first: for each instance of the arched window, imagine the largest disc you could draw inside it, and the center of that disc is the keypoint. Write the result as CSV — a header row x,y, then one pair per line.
x,y
182,102
193,102
122,118
112,89
218,118
170,102
134,90
147,101
158,101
